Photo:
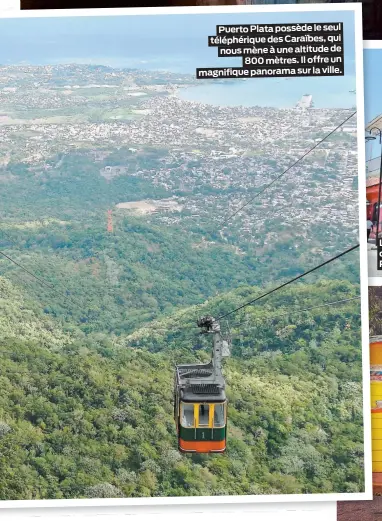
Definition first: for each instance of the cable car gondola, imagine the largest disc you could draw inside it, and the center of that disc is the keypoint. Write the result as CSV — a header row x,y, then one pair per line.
x,y
200,403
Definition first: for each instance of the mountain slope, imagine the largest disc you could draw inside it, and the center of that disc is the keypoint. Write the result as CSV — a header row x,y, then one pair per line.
x,y
91,416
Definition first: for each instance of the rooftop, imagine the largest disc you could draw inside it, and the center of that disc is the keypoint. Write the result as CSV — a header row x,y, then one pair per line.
x,y
200,382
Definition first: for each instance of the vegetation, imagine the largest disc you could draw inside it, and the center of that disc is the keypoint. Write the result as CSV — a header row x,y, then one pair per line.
x,y
90,415
87,363
144,270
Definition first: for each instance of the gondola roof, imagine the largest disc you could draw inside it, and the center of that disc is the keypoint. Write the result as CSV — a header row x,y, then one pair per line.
x,y
198,383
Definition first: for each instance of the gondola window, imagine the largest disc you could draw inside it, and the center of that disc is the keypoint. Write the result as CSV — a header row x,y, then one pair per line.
x,y
188,418
219,420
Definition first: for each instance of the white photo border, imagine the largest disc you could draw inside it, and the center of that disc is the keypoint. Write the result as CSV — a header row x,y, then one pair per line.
x,y
279,498
263,512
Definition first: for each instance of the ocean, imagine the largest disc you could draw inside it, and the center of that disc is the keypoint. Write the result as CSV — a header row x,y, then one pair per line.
x,y
327,92
53,42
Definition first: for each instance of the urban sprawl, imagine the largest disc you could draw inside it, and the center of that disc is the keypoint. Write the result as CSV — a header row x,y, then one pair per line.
x,y
214,158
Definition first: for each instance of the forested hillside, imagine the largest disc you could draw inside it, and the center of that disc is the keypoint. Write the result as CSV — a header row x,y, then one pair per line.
x,y
91,415
143,270
135,212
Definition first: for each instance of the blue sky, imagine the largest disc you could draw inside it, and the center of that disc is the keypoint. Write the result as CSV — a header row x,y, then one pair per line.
x,y
51,40
373,83
177,43
175,26
373,92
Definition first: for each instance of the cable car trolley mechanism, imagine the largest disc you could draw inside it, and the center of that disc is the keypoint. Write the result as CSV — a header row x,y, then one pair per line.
x,y
200,403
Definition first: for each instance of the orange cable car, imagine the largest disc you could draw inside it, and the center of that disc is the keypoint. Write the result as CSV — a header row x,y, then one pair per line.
x,y
200,403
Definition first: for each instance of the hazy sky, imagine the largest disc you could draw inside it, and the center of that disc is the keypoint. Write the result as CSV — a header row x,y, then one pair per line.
x,y
373,93
44,40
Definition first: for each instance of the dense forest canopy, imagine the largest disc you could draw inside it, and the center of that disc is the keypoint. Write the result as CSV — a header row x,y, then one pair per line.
x,y
87,356
87,368
142,270
90,415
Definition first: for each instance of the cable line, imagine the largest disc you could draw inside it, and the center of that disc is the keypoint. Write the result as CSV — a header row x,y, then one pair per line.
x,y
52,287
8,237
288,282
40,280
327,304
285,171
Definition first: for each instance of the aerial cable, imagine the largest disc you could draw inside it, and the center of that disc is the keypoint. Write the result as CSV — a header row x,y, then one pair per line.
x,y
261,192
39,279
323,330
288,282
285,171
327,304
42,281
299,310
8,237
179,329
244,321
257,195
301,323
